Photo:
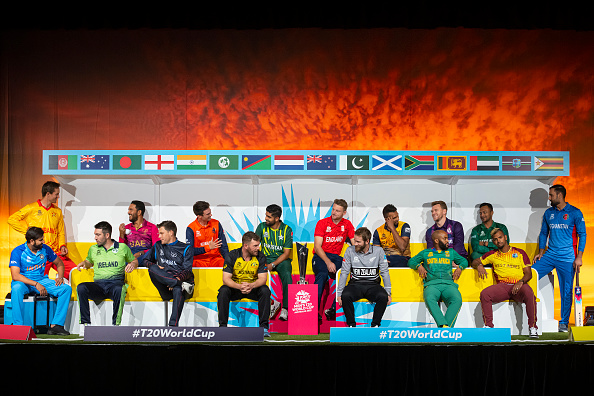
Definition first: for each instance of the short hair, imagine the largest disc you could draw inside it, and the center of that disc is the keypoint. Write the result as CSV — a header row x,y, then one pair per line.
x,y
389,208
363,233
199,207
440,203
104,226
341,202
495,231
559,189
274,210
487,205
168,225
139,206
33,233
248,237
49,187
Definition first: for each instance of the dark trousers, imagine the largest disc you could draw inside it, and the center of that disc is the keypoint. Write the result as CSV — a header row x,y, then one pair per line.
x,y
375,293
98,291
169,288
321,272
228,294
503,291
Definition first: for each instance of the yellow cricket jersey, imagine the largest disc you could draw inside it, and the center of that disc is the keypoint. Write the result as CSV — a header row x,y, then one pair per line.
x,y
50,220
244,271
508,267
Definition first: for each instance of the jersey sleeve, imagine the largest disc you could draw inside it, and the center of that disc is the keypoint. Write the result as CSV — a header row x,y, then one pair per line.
x,y
375,239
428,239
15,257
544,232
416,260
61,230
50,255
154,234
487,258
580,227
261,262
90,255
129,256
344,271
224,249
459,240
385,272
17,220
459,259
288,238
229,262
351,231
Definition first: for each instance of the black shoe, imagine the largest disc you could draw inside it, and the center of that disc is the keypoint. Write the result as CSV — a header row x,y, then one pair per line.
x,y
330,313
57,330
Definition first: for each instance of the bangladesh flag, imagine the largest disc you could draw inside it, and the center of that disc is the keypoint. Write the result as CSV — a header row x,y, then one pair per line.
x,y
127,162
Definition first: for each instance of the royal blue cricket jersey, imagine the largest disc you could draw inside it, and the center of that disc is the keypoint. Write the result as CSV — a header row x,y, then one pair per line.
x,y
563,228
32,265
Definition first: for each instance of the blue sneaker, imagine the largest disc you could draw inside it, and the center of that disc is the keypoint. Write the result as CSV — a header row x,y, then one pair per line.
x,y
266,333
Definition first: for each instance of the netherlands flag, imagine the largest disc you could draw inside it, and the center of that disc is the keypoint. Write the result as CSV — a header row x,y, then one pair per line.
x,y
289,162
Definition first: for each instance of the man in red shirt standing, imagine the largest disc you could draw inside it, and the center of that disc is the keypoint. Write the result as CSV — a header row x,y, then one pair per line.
x,y
330,236
207,237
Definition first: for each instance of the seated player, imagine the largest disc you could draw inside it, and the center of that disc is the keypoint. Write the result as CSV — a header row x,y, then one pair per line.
x,y
435,267
277,245
365,263
207,237
512,270
244,276
454,229
394,237
27,265
111,260
480,238
169,264
140,235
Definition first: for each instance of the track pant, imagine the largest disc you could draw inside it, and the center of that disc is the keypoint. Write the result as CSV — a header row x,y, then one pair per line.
x,y
228,294
163,280
321,272
19,289
285,273
69,265
450,295
100,290
565,273
503,291
375,293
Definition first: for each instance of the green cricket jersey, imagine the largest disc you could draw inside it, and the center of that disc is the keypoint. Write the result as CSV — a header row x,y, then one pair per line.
x,y
274,242
438,264
110,263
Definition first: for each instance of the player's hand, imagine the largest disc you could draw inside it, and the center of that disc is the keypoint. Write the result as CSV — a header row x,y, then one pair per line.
x,y
390,224
456,274
422,272
42,290
331,267
131,266
482,273
484,243
389,299
80,266
538,257
122,229
215,244
517,286
269,267
63,251
59,281
577,263
339,301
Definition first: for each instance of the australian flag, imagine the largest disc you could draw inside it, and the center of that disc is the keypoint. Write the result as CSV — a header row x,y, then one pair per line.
x,y
91,162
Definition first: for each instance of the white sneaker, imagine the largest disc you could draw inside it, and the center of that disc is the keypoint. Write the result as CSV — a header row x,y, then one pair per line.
x,y
284,315
188,288
275,306
532,332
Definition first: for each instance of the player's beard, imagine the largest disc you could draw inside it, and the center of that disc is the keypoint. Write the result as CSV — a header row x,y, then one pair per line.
x,y
442,245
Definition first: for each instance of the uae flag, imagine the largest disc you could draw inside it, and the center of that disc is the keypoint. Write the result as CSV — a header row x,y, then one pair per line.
x,y
484,163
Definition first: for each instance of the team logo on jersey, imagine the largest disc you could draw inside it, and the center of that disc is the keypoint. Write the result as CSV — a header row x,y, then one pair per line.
x,y
430,254
342,228
41,256
173,254
515,255
565,216
482,233
53,214
447,253
449,230
280,237
328,229
115,250
372,259
198,233
39,213
265,234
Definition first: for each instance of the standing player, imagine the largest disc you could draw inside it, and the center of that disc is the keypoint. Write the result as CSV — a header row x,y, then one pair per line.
x,y
330,236
563,226
244,276
27,265
111,260
394,238
47,216
511,267
169,264
140,235
435,267
480,237
366,264
207,237
277,245
453,229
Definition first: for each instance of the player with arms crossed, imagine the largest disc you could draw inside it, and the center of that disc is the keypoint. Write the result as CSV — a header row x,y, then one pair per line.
x,y
563,226
330,235
46,215
511,268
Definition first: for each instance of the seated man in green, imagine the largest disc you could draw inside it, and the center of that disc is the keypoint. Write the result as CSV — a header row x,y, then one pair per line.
x,y
435,267
480,238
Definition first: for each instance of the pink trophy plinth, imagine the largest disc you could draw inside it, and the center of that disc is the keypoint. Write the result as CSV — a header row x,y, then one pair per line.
x,y
303,309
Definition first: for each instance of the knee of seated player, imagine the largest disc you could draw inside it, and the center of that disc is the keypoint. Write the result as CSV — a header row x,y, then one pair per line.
x,y
264,291
64,289
18,289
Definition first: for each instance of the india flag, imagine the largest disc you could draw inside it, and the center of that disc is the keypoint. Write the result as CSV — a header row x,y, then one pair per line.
x,y
191,162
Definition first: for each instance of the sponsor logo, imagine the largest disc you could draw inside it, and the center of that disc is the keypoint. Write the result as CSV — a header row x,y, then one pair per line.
x,y
303,302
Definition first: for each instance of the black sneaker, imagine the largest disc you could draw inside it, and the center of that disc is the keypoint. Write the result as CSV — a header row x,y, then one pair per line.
x,y
330,313
57,330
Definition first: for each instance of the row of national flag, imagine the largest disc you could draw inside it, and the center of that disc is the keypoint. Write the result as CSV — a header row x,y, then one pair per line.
x,y
314,162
